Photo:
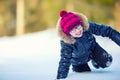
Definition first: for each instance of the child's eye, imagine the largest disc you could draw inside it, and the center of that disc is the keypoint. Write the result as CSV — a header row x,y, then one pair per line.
x,y
76,27
73,30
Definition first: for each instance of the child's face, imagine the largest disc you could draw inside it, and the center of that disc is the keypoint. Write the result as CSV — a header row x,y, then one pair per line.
x,y
77,31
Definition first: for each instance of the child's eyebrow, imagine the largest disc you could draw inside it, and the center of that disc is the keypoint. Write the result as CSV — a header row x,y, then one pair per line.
x,y
76,26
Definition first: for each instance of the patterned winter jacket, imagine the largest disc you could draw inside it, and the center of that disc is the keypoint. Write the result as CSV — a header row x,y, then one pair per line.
x,y
77,51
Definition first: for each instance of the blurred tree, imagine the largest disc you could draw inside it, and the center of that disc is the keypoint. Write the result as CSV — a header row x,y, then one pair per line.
x,y
70,5
117,14
20,17
7,15
101,10
34,16
108,3
50,10
42,14
2,28
11,23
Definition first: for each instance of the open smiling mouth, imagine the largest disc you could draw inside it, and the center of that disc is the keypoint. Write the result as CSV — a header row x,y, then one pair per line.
x,y
79,33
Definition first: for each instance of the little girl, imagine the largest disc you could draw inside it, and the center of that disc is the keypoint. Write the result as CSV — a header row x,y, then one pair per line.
x,y
78,45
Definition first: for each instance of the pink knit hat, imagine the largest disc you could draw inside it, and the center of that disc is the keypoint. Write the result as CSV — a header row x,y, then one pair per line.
x,y
68,21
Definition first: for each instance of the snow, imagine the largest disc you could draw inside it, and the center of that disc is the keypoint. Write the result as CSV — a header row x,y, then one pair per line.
x,y
35,57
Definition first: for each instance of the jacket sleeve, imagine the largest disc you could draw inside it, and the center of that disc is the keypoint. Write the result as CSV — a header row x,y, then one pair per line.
x,y
105,31
64,64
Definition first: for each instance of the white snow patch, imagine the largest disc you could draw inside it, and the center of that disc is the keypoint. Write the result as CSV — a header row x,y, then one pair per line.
x,y
36,56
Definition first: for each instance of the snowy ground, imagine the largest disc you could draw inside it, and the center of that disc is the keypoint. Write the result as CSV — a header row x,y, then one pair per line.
x,y
36,56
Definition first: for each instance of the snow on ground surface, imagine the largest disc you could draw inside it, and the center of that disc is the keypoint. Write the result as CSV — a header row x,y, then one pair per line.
x,y
35,57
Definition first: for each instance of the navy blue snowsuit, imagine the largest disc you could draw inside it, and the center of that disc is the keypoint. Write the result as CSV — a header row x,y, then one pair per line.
x,y
85,48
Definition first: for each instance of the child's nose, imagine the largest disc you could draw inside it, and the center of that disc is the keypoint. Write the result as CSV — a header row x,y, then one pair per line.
x,y
77,30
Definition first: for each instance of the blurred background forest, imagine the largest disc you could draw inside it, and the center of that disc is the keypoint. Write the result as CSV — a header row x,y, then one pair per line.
x,y
18,17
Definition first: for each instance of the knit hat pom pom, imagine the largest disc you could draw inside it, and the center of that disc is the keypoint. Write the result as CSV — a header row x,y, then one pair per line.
x,y
62,13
